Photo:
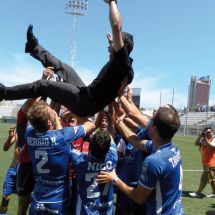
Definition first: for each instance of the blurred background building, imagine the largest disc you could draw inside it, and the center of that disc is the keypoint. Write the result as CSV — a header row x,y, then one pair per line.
x,y
136,96
199,91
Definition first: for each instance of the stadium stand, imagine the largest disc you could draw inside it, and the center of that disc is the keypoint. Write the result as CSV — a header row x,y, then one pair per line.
x,y
15,110
6,111
193,118
193,122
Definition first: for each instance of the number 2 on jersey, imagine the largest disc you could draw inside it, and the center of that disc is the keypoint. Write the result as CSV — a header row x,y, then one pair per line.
x,y
42,155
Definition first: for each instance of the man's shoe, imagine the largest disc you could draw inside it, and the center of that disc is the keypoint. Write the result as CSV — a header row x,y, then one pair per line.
x,y
32,41
211,195
196,195
2,92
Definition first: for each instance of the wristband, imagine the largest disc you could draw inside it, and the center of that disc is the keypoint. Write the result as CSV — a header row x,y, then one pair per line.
x,y
118,121
90,119
115,180
112,0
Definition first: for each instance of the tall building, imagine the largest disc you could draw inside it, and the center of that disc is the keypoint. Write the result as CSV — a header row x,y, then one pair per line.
x,y
136,96
199,91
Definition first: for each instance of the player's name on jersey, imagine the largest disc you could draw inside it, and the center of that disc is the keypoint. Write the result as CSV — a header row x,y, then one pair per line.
x,y
42,141
175,159
100,166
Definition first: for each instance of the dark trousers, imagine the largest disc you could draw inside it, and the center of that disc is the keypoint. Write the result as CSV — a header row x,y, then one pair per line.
x,y
77,99
73,95
82,101
66,72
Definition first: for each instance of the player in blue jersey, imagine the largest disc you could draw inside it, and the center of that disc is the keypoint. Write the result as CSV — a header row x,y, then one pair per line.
x,y
160,182
131,159
129,169
94,198
50,153
9,186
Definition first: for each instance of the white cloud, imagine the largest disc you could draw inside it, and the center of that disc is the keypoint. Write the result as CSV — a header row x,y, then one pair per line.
x,y
155,96
86,75
20,70
153,93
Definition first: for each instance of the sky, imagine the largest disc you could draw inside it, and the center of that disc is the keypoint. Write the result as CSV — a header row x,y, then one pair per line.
x,y
174,40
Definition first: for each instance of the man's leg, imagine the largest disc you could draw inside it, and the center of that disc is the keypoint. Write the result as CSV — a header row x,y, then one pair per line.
x,y
9,187
66,72
63,70
25,185
23,204
77,100
203,181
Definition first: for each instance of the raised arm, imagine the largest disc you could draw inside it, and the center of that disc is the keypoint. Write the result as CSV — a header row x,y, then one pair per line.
x,y
11,139
130,124
88,124
197,141
139,194
210,142
132,112
130,136
116,25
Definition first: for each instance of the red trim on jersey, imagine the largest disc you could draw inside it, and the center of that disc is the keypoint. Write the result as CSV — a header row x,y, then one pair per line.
x,y
22,121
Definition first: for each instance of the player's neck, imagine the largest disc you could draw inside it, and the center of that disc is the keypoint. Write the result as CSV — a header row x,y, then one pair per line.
x,y
158,142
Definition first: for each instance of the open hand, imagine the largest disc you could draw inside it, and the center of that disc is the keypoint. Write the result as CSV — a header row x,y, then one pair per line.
x,y
106,177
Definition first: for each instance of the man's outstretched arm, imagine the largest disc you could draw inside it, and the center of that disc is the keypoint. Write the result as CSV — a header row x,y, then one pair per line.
x,y
116,25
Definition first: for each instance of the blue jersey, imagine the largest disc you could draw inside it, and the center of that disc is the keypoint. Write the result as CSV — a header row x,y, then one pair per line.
x,y
162,172
94,198
50,154
130,166
143,133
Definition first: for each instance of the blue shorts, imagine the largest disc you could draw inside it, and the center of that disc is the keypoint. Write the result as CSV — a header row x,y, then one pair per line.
x,y
39,208
9,186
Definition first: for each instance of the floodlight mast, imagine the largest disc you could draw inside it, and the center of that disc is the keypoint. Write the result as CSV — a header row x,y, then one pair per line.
x,y
75,8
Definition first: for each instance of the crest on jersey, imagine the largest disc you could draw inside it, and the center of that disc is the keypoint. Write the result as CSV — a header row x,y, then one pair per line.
x,y
75,129
143,176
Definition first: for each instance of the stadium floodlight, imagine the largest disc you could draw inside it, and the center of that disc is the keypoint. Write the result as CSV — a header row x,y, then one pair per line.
x,y
75,8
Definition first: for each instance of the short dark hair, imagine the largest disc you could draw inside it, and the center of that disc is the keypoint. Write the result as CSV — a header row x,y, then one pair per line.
x,y
128,41
206,128
38,116
100,144
167,122
106,114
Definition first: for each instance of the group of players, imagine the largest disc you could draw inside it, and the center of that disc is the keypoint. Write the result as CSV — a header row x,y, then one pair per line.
x,y
73,168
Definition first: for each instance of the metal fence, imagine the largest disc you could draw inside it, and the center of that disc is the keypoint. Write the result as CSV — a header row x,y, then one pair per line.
x,y
193,130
